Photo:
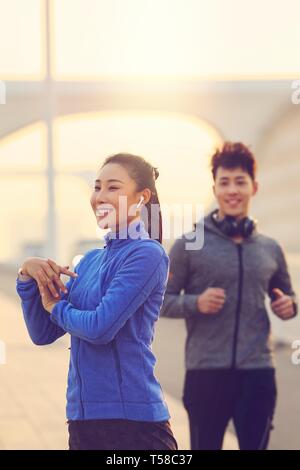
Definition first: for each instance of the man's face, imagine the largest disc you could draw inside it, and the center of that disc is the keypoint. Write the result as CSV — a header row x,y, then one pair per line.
x,y
233,189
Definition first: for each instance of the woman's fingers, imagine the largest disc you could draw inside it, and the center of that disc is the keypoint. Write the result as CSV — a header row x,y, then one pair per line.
x,y
57,270
40,286
61,269
47,277
53,278
41,278
66,271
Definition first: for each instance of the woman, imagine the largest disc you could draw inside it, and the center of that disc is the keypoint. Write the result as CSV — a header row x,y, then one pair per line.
x,y
114,400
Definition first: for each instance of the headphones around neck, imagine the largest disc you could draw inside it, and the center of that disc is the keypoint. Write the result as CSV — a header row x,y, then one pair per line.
x,y
232,227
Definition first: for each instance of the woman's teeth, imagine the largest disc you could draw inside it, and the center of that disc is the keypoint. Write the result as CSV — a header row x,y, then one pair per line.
x,y
102,212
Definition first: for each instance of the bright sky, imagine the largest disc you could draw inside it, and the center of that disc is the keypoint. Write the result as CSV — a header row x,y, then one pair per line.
x,y
128,39
155,38
180,146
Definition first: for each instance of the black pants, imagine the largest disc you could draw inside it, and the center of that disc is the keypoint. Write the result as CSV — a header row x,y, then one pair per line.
x,y
120,434
214,396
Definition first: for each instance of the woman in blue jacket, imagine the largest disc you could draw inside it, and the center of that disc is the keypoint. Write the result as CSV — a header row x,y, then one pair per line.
x,y
114,400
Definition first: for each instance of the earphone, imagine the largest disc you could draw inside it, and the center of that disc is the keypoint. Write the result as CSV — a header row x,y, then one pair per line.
x,y
141,202
232,227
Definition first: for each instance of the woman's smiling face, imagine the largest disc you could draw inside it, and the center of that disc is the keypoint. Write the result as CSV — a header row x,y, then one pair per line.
x,y
114,193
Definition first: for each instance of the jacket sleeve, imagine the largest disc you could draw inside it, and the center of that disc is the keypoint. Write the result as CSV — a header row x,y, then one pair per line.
x,y
40,328
282,280
178,304
131,286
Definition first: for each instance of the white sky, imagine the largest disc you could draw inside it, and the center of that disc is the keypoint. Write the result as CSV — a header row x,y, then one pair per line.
x,y
154,38
179,145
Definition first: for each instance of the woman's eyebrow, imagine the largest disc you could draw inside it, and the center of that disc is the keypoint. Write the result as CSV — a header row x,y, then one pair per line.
x,y
110,181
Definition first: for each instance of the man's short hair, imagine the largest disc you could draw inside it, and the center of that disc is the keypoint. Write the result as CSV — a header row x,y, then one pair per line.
x,y
234,155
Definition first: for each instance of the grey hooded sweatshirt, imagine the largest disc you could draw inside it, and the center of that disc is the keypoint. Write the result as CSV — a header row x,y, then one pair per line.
x,y
238,336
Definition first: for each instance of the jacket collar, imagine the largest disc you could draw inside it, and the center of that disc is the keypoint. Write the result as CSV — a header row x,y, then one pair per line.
x,y
135,230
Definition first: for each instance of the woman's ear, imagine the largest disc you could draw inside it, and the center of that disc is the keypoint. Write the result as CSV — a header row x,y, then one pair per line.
x,y
146,195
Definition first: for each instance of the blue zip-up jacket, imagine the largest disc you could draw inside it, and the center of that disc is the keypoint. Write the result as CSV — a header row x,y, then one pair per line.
x,y
110,311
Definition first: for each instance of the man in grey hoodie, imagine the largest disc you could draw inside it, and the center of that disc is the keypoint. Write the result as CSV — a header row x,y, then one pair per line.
x,y
220,291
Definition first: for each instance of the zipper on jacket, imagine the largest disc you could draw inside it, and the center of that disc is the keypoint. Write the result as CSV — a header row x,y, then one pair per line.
x,y
119,372
77,365
238,306
80,381
77,357
117,360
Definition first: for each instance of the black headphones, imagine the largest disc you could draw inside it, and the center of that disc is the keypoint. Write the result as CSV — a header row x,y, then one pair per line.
x,y
232,227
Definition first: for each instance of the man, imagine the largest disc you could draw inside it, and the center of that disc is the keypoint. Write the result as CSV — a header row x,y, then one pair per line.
x,y
220,291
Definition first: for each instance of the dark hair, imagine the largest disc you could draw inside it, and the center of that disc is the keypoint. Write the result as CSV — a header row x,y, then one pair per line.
x,y
234,155
144,175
